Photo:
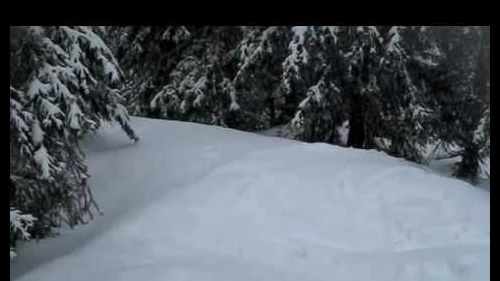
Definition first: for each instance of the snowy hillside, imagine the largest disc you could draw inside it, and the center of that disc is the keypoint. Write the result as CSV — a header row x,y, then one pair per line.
x,y
195,202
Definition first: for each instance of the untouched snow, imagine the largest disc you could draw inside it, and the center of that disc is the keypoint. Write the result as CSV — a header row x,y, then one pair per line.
x,y
195,202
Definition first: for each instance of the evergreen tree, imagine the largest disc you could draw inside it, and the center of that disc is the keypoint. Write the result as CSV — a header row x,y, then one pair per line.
x,y
200,88
63,83
463,92
405,110
148,55
259,56
397,88
320,110
361,48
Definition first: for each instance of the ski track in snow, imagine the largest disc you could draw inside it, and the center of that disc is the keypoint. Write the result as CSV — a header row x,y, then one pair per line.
x,y
196,202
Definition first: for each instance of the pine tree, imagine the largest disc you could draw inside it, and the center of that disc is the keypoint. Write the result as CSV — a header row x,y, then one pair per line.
x,y
64,83
200,88
405,109
463,92
259,56
361,47
397,88
148,55
320,111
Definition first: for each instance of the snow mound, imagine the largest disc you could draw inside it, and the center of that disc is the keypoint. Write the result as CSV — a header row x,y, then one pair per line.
x,y
195,202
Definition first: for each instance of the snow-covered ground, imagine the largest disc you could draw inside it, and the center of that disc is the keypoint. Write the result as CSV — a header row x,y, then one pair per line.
x,y
436,158
195,202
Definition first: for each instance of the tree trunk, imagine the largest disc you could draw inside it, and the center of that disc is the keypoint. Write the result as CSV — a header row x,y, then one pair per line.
x,y
356,136
469,166
481,75
272,112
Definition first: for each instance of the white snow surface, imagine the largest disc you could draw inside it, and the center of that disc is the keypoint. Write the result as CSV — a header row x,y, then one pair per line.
x,y
196,202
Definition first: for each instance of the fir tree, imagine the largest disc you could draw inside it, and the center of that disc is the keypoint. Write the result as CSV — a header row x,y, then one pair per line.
x,y
64,82
361,47
320,111
200,88
258,57
462,96
397,88
148,55
405,110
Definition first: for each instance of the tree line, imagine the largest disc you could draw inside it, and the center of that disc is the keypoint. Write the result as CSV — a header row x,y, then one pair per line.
x,y
398,88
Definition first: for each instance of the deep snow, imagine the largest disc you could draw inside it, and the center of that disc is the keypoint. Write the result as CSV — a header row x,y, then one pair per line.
x,y
195,202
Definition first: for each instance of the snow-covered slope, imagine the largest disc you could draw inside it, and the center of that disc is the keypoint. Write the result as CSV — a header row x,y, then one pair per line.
x,y
195,202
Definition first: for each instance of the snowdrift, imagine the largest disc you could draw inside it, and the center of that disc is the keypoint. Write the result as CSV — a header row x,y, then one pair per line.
x,y
195,202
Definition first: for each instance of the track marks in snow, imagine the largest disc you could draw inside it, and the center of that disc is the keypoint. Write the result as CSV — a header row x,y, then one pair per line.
x,y
204,203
